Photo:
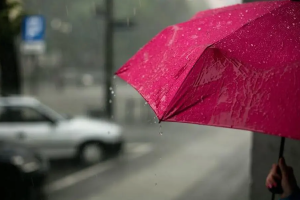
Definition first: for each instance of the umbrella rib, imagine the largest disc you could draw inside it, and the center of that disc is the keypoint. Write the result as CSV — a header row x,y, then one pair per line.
x,y
167,115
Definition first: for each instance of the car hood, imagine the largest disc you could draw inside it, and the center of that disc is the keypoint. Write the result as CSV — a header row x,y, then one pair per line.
x,y
96,126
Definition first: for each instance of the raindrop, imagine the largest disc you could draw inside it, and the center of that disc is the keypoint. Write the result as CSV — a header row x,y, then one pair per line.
x,y
146,103
110,101
115,77
246,11
252,45
110,88
160,130
199,29
155,183
112,92
288,27
67,10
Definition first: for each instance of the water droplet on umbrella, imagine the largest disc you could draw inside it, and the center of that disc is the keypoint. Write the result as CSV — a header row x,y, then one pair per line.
x,y
199,29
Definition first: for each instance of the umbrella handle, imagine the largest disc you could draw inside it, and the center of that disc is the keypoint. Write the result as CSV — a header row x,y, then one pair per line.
x,y
278,189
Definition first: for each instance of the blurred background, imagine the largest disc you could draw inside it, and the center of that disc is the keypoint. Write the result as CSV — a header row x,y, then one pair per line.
x,y
71,79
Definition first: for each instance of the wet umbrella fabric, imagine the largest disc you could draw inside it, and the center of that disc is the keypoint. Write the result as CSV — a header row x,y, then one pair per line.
x,y
235,67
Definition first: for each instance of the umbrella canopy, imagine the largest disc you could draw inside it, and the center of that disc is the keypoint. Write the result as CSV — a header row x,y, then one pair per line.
x,y
235,67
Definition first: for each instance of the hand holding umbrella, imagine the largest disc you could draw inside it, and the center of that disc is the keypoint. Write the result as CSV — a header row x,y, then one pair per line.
x,y
283,175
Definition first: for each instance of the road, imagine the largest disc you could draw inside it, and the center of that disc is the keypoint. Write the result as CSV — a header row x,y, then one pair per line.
x,y
185,162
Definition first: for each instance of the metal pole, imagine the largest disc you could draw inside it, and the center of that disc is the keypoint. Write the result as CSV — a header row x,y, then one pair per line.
x,y
109,65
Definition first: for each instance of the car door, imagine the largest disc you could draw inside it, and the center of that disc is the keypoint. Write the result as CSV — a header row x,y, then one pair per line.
x,y
26,125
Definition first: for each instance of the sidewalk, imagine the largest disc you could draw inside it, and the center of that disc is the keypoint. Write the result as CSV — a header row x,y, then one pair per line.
x,y
213,165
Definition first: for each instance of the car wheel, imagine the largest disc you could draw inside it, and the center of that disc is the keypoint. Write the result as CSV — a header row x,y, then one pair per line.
x,y
91,153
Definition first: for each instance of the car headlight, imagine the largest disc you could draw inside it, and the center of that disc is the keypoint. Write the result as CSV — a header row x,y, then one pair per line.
x,y
26,165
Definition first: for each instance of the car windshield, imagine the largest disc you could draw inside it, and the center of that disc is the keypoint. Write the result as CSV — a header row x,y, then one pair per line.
x,y
52,113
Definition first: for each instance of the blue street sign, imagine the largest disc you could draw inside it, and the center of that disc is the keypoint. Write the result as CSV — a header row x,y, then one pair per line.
x,y
33,28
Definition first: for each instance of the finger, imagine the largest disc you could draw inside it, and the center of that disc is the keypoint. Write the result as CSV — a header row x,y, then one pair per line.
x,y
274,172
270,182
283,167
274,169
276,177
273,177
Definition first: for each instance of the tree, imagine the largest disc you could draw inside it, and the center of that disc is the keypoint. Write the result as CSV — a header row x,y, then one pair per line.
x,y
11,14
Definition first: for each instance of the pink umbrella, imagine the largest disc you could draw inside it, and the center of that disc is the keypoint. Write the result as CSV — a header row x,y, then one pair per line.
x,y
235,67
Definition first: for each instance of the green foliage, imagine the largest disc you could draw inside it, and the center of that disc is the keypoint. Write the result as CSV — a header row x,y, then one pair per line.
x,y
11,16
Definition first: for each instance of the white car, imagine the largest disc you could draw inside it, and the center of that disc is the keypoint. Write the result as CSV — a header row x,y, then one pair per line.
x,y
28,121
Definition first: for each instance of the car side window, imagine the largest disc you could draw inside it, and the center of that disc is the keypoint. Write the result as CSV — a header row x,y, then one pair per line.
x,y
21,114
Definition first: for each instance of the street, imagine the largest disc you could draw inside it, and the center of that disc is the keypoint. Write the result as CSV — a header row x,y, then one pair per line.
x,y
174,162
185,162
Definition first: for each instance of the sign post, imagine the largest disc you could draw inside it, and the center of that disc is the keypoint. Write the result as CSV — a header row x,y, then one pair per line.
x,y
33,35
33,45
